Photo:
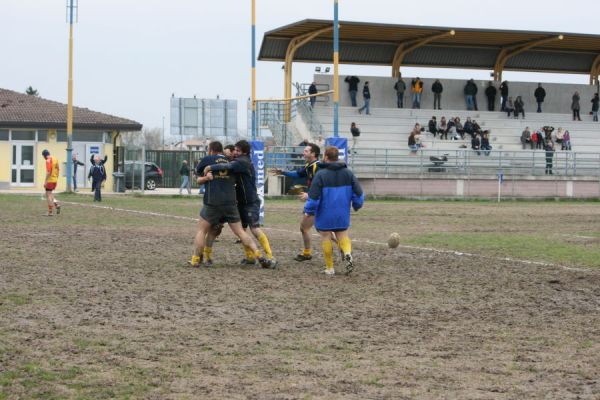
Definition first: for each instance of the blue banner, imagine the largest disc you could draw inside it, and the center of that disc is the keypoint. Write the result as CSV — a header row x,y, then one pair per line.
x,y
257,153
341,144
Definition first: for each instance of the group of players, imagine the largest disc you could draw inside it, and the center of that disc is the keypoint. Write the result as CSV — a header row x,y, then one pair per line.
x,y
231,197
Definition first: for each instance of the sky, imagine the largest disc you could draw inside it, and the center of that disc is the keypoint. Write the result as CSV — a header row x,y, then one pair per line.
x,y
131,55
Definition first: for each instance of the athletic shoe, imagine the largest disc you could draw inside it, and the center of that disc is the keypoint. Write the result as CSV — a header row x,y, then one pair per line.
x,y
328,271
245,261
208,263
270,264
302,257
349,263
194,265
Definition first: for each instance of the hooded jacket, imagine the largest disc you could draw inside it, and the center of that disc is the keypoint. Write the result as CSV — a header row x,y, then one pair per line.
x,y
334,190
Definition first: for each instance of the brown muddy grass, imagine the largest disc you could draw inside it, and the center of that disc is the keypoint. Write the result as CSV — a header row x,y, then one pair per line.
x,y
108,310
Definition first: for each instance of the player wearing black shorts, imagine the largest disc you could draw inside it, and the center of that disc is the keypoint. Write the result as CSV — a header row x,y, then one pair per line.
x,y
248,202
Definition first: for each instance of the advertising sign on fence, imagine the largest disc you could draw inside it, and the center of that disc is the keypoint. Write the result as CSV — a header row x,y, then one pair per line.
x,y
258,159
341,144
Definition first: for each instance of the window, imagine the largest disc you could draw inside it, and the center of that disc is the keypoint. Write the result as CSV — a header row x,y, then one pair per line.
x,y
61,136
42,136
23,135
3,134
107,137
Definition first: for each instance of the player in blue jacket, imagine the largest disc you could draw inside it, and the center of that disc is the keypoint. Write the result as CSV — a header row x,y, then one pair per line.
x,y
333,191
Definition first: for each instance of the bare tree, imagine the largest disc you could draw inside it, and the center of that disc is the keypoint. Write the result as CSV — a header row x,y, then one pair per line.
x,y
149,137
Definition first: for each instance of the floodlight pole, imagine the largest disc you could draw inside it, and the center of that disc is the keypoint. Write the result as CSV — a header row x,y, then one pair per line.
x,y
253,69
336,88
69,162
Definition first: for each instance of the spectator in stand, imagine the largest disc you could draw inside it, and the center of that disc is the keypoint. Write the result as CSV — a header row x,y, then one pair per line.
x,y
355,134
352,82
547,134
476,144
519,107
475,96
567,141
526,138
414,139
540,142
549,156
451,128
534,139
417,90
509,107
443,129
367,98
559,137
432,126
437,90
485,143
470,91
468,127
540,95
575,106
312,89
595,107
476,127
490,93
503,95
400,88
459,127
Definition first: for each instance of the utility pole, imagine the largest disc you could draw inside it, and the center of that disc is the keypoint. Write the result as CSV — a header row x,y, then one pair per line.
x,y
336,58
72,5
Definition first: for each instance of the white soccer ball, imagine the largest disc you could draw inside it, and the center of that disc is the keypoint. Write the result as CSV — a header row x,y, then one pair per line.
x,y
394,240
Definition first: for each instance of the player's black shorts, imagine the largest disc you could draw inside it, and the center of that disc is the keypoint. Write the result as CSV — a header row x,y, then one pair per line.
x,y
249,213
218,214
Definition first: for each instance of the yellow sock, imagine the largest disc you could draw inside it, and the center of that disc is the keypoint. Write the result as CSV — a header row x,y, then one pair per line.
x,y
195,260
207,253
249,253
345,245
307,252
264,242
256,253
328,253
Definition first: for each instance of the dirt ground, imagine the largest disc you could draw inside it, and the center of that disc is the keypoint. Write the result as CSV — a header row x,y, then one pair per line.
x,y
98,303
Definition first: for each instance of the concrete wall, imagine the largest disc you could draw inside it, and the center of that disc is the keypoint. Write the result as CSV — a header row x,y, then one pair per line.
x,y
558,95
519,187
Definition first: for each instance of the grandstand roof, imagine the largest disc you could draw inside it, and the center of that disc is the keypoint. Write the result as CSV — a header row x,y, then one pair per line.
x,y
376,44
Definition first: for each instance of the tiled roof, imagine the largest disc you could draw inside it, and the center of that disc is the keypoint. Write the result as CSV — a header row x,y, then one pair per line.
x,y
19,110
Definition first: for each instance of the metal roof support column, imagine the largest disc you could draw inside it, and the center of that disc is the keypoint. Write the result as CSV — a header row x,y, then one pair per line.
x,y
508,52
406,47
595,71
294,45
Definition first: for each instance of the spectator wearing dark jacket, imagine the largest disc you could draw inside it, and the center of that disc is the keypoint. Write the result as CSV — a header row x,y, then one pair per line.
x,y
312,89
367,99
490,93
352,82
355,132
549,157
519,107
540,95
470,91
575,106
432,126
509,107
526,139
400,88
76,163
485,143
437,90
468,127
595,107
476,144
98,175
504,95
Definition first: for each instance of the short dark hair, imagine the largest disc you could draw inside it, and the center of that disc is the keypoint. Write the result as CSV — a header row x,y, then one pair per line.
x,y
244,146
314,149
216,147
229,147
332,153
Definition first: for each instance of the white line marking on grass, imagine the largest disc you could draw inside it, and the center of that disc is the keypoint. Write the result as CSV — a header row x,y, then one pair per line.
x,y
428,249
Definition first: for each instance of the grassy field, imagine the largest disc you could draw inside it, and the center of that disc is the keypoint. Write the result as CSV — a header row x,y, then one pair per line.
x,y
481,301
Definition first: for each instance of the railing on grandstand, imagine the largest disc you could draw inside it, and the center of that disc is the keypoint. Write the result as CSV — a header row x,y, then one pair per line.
x,y
305,110
393,162
272,115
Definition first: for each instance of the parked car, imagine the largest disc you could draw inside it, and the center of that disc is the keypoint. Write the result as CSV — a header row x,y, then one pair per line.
x,y
153,175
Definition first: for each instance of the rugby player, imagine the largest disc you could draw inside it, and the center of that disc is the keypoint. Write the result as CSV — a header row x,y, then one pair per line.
x,y
52,170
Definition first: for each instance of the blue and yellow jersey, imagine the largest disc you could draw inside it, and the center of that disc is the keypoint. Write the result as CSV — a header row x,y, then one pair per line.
x,y
221,190
308,171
